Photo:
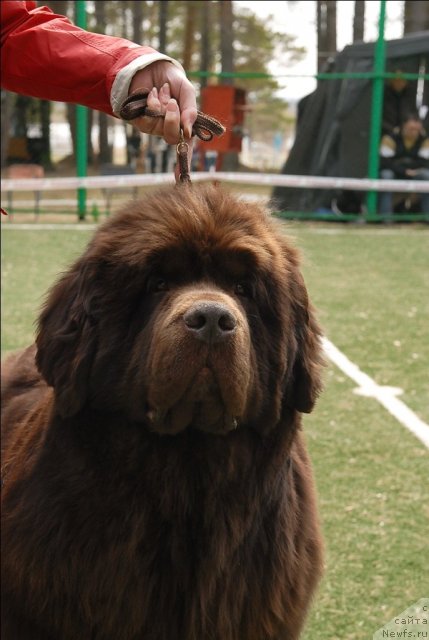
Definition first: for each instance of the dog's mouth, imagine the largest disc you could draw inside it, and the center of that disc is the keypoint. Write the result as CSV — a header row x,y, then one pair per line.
x,y
201,407
194,379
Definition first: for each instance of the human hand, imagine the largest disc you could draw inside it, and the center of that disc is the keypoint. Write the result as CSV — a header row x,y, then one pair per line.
x,y
171,94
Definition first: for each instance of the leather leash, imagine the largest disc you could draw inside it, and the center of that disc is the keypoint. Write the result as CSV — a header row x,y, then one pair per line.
x,y
205,127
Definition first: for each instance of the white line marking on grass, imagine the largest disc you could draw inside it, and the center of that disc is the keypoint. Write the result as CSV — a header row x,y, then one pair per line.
x,y
386,396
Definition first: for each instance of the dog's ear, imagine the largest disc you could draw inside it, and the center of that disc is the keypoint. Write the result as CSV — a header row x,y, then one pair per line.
x,y
66,339
305,377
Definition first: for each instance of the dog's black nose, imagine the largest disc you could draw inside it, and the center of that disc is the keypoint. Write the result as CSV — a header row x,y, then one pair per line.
x,y
210,321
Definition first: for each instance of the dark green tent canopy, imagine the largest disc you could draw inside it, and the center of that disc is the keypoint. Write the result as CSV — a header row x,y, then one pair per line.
x,y
332,133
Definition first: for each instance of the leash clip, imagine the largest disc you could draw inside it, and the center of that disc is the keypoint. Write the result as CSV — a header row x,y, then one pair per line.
x,y
182,147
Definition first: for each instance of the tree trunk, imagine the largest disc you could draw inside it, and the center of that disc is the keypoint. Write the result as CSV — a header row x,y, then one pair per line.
x,y
206,51
137,10
71,119
7,99
66,8
58,6
326,32
163,19
133,141
359,21
62,7
20,119
226,39
45,122
332,27
71,108
89,146
229,160
189,36
123,7
416,16
105,152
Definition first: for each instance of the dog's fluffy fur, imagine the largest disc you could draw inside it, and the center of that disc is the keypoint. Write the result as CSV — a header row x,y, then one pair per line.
x,y
156,482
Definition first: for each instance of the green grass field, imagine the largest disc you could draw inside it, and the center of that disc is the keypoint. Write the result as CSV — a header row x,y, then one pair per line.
x,y
371,287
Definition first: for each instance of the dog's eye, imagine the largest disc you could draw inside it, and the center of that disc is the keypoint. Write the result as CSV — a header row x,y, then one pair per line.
x,y
160,284
157,283
243,289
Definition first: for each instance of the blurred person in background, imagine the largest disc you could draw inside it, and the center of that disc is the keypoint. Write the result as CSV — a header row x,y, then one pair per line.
x,y
399,99
405,156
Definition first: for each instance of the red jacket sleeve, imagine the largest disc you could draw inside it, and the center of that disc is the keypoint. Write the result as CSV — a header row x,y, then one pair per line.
x,y
45,56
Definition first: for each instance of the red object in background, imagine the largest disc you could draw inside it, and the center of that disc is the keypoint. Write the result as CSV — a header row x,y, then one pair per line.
x,y
227,104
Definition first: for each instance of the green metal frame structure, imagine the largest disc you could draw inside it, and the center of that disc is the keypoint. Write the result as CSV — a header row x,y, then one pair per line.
x,y
376,110
81,126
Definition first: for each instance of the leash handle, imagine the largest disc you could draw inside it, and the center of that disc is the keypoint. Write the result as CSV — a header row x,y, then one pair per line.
x,y
135,106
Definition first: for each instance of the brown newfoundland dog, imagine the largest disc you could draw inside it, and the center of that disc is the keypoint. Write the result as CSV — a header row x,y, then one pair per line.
x,y
156,481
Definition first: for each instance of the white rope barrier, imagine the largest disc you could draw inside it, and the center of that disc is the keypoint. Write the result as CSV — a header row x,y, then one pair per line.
x,y
261,179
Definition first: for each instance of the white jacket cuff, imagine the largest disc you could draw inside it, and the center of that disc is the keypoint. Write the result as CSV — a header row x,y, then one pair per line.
x,y
121,84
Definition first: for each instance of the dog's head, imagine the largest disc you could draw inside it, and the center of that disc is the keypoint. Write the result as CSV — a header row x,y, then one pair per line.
x,y
188,309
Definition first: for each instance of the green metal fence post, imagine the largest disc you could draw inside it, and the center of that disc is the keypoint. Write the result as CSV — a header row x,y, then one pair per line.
x,y
376,111
81,127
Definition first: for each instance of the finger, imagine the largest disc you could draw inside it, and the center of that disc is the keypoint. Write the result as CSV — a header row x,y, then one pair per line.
x,y
184,92
171,132
164,96
153,101
187,119
188,111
